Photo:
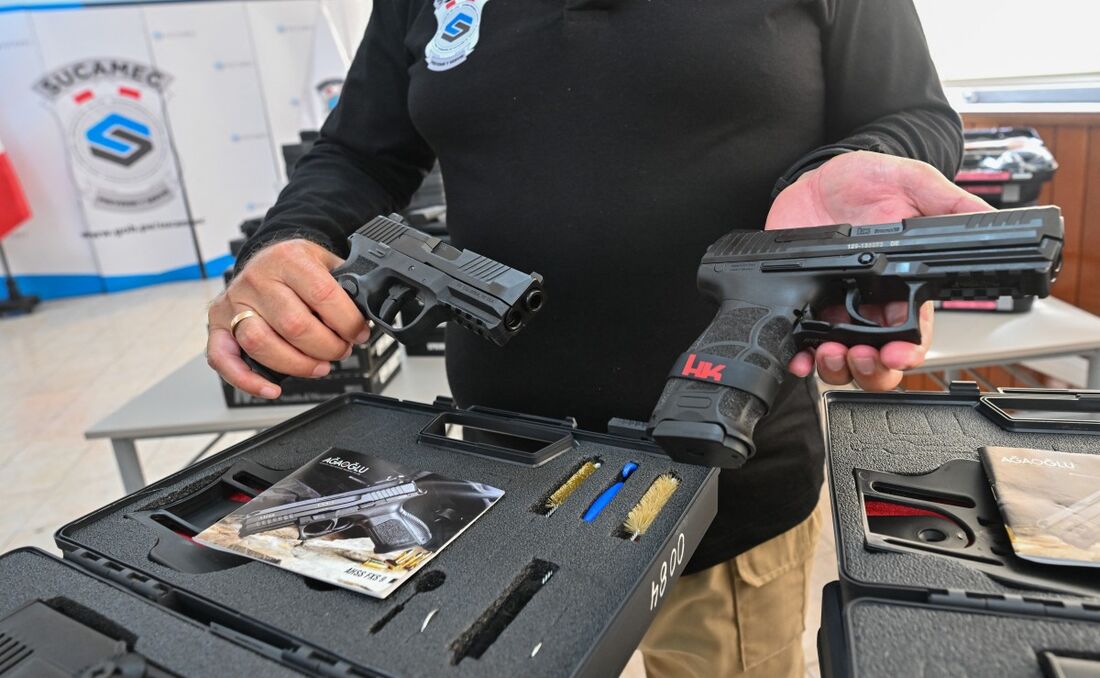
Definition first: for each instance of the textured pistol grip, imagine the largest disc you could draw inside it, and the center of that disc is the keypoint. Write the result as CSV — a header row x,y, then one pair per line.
x,y
263,370
719,390
346,269
398,530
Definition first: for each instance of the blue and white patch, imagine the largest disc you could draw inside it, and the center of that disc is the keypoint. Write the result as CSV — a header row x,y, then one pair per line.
x,y
458,26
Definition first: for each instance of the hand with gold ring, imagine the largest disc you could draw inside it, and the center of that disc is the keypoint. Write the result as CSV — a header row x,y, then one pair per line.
x,y
286,311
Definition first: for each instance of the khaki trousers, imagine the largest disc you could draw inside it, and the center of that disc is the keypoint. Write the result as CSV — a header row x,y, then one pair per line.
x,y
743,617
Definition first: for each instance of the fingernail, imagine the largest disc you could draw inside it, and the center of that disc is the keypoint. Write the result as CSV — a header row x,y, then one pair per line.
x,y
322,369
835,363
864,366
917,360
895,315
347,353
362,337
269,392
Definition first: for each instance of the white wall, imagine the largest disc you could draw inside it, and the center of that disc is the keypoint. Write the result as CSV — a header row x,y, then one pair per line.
x,y
993,39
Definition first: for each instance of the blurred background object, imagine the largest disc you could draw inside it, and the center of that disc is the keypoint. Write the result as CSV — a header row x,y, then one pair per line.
x,y
145,133
1005,166
14,210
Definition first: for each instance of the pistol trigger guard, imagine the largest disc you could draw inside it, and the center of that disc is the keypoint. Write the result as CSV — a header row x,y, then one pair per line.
x,y
809,332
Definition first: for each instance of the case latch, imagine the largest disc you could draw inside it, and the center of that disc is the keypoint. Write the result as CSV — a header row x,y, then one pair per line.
x,y
964,388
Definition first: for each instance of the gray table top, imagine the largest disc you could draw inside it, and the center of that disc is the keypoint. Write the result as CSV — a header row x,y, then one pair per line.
x,y
1052,327
190,401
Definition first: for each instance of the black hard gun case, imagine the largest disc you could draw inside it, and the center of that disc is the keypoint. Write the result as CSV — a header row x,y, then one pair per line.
x,y
921,596
56,619
584,620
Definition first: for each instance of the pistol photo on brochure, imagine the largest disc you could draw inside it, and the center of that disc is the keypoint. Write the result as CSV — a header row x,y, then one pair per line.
x,y
353,520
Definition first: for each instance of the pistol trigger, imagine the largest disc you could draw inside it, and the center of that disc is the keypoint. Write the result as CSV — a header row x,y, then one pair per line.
x,y
851,305
398,295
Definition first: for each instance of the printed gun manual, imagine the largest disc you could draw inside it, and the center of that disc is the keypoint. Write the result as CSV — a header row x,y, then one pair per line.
x,y
1050,502
353,520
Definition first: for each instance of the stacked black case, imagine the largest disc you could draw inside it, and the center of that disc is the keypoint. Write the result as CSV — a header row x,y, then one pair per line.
x,y
586,620
1004,175
369,369
919,610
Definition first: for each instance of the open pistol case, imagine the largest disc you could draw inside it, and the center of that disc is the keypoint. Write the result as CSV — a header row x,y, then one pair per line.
x,y
525,593
929,584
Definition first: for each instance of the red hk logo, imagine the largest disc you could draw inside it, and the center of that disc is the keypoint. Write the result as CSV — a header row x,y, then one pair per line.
x,y
703,370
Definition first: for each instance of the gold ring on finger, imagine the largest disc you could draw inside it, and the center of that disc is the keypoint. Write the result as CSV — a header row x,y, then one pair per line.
x,y
239,318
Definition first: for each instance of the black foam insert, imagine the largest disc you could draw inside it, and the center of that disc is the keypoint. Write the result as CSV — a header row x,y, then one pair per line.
x,y
896,435
895,639
596,567
170,641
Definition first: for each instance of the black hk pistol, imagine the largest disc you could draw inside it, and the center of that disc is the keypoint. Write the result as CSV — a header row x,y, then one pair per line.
x,y
772,285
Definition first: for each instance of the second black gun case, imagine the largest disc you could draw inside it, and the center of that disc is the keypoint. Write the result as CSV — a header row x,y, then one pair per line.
x,y
57,619
929,584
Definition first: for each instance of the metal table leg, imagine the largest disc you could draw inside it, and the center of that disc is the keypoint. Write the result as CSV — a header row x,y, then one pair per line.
x,y
1092,377
129,467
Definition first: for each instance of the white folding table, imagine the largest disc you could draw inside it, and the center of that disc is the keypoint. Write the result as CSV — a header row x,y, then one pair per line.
x,y
189,401
1051,329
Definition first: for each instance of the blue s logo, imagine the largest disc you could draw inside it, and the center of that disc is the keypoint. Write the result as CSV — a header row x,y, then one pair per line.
x,y
119,140
457,27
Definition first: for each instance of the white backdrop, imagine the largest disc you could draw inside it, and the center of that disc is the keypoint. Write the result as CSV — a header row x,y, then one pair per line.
x,y
144,134
980,40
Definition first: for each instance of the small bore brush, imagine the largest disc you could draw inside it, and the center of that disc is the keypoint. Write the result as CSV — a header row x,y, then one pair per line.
x,y
555,500
641,517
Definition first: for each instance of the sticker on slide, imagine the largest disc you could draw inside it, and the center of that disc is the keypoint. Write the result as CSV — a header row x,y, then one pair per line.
x,y
111,112
458,25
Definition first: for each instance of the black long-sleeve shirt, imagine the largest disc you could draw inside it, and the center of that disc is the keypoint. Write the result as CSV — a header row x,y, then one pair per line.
x,y
605,144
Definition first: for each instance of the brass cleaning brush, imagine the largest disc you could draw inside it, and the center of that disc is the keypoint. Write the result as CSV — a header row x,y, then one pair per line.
x,y
647,509
570,486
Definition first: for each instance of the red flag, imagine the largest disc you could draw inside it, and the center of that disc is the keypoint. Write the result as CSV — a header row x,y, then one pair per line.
x,y
14,209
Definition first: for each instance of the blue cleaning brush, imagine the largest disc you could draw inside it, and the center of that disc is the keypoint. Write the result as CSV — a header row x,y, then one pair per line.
x,y
608,495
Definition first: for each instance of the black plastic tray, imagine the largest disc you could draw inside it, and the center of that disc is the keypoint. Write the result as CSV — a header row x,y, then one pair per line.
x,y
910,434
